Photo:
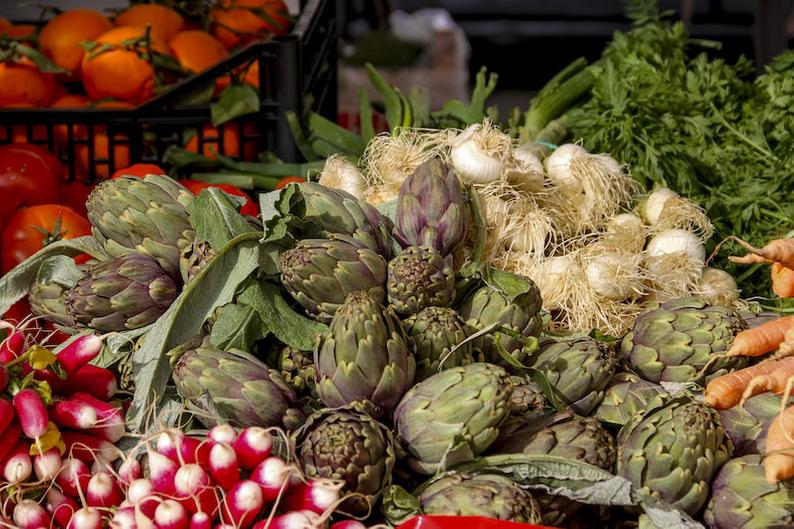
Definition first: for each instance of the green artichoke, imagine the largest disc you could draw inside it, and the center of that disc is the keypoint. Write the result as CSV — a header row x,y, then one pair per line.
x,y
193,258
142,215
673,451
578,370
233,386
628,396
127,292
432,210
565,435
297,368
528,404
436,331
48,300
418,278
742,498
453,416
488,495
320,273
747,425
679,340
366,356
349,445
487,306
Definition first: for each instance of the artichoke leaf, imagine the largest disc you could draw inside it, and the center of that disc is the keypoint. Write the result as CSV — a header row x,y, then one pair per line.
x,y
399,505
215,217
60,270
237,326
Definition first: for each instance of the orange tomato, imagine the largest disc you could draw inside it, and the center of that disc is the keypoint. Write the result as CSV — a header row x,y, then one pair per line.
x,y
196,50
21,31
62,131
231,142
19,133
239,25
120,155
139,170
287,180
60,39
5,25
164,21
24,84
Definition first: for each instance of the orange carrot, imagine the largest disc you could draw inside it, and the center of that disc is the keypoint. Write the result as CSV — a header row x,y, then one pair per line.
x,y
762,339
775,381
727,391
782,281
779,453
776,251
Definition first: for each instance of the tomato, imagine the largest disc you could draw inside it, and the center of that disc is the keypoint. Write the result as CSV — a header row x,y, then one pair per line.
x,y
74,194
287,180
21,238
26,179
139,169
249,208
47,157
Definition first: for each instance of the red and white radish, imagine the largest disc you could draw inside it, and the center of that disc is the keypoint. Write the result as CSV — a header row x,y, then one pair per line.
x,y
317,495
89,448
6,414
242,504
124,519
224,468
18,467
170,515
110,419
162,472
273,475
47,465
222,433
86,518
103,491
94,380
79,352
12,347
74,477
60,506
292,520
130,470
28,514
200,520
9,437
192,486
141,493
348,524
31,413
182,449
252,446
73,414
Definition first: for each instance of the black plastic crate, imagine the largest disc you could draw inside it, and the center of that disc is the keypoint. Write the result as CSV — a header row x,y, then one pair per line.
x,y
293,68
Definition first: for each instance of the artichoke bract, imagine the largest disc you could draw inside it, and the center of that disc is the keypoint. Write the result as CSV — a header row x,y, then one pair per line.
x,y
453,416
747,425
193,258
679,340
432,210
565,435
436,332
349,445
742,498
673,451
366,356
578,370
297,368
527,405
233,386
628,396
320,273
487,306
127,292
142,215
48,300
488,495
419,278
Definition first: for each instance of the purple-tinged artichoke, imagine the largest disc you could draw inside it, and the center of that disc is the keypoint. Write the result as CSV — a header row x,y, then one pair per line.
x,y
628,396
436,333
419,278
747,425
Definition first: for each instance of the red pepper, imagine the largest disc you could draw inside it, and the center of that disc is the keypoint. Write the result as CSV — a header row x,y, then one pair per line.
x,y
463,522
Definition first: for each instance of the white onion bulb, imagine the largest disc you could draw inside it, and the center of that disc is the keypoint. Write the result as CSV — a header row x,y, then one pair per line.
x,y
470,160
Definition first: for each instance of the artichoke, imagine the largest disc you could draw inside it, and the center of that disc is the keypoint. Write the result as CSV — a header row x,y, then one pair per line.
x,y
320,273
679,340
432,210
628,396
297,368
349,445
747,425
488,495
233,387
48,300
127,292
418,278
487,306
565,435
436,331
366,356
527,405
142,215
672,452
193,258
579,371
743,499
453,416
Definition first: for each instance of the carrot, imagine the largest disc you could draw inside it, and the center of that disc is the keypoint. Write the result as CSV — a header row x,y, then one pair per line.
x,y
776,251
782,281
762,339
776,381
726,391
779,453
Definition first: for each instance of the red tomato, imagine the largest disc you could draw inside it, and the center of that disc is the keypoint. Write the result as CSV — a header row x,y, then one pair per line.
x,y
50,159
287,180
26,179
139,169
249,208
21,239
74,194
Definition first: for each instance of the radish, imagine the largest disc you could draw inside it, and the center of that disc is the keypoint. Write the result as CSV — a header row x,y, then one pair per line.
x,y
17,467
162,472
30,515
31,412
6,413
9,437
273,476
47,465
348,524
60,506
12,347
73,414
292,520
124,519
96,381
170,515
44,375
86,518
200,520
141,494
317,495
130,470
252,446
4,378
88,448
243,503
223,433
103,491
79,352
110,426
224,468
181,449
192,485
73,478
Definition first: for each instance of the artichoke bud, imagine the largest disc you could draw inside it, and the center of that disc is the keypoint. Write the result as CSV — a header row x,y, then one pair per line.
x,y
418,278
439,335
48,300
366,355
628,396
193,257
297,368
